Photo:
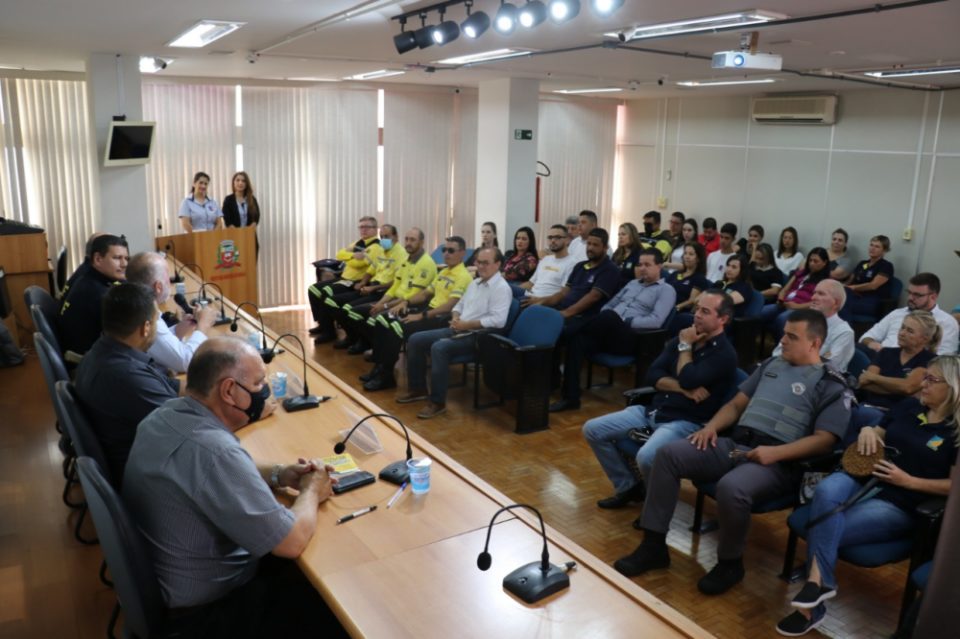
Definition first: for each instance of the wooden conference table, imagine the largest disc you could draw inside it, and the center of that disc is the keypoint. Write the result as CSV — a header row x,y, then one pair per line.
x,y
410,571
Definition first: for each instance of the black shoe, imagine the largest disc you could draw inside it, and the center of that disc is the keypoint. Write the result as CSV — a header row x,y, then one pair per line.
x,y
723,577
323,338
645,557
812,595
638,523
637,492
373,374
341,344
357,348
564,404
796,624
380,382
316,330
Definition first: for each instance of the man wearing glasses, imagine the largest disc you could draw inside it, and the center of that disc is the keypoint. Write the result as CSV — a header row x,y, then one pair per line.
x,y
922,293
553,271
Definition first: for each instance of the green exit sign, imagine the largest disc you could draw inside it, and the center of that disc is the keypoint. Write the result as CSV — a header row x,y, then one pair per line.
x,y
523,134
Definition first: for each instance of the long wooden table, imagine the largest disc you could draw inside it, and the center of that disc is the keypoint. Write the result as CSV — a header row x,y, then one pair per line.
x,y
410,571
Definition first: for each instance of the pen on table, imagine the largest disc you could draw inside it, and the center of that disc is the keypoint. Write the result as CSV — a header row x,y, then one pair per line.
x,y
397,494
354,515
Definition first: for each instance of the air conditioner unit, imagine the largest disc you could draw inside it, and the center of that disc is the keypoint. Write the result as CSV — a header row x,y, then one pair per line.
x,y
815,109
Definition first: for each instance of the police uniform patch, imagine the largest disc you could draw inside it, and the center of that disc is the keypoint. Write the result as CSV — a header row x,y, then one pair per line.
x,y
935,442
798,388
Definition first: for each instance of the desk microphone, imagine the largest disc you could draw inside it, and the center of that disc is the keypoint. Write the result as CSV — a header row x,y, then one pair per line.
x,y
183,266
396,472
182,303
222,319
300,402
176,279
536,580
265,353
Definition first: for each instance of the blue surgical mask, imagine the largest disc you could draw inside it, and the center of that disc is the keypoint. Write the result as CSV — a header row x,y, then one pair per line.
x,y
386,243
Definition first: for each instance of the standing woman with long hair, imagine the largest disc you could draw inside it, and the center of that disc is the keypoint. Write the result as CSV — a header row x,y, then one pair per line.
x,y
241,208
198,211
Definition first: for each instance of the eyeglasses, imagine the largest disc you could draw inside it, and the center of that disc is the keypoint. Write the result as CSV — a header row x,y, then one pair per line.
x,y
933,379
447,249
917,294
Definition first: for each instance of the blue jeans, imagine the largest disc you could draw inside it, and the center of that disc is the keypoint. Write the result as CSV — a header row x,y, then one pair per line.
x,y
607,436
442,348
867,521
860,417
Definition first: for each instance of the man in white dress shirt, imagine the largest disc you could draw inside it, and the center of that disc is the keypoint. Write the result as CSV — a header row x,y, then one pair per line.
x,y
172,349
484,306
922,293
838,346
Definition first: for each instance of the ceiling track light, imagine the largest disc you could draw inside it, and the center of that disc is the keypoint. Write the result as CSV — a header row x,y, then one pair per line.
x,y
445,32
476,23
423,35
606,7
563,10
506,20
405,40
532,14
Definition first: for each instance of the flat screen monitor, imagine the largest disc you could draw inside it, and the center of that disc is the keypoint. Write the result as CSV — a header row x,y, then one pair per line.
x,y
129,143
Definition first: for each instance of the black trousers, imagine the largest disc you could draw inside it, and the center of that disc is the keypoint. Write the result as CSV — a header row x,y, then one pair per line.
x,y
605,333
318,292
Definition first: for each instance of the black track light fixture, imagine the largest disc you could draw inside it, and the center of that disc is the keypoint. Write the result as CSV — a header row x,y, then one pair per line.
x,y
506,21
476,23
405,40
424,35
445,32
532,14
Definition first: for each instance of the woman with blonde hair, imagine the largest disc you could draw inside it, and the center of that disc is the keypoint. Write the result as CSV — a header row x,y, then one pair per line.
x,y
896,372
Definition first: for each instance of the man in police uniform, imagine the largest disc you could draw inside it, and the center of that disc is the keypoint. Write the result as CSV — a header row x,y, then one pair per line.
x,y
653,236
793,407
416,314
79,320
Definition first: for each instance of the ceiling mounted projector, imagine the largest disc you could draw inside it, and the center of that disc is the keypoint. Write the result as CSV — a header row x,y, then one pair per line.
x,y
746,60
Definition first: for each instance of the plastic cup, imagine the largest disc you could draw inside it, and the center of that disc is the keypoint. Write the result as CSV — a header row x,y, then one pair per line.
x,y
419,469
255,339
278,383
181,288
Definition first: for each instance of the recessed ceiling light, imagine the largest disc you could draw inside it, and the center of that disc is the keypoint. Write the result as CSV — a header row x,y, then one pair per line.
x,y
907,73
150,64
204,32
578,91
374,75
486,56
721,83
694,25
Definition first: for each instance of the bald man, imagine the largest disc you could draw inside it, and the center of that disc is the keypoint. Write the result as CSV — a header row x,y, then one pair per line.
x,y
828,298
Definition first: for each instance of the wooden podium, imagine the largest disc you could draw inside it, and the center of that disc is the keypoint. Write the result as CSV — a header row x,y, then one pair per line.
x,y
24,258
226,257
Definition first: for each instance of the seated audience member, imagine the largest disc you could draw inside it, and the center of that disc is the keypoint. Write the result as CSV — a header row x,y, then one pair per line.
x,y
926,433
385,258
172,349
207,512
754,238
591,284
688,233
710,239
412,277
870,281
689,281
717,261
923,290
772,420
838,346
488,239
573,226
896,372
553,270
677,218
199,211
117,382
520,263
736,283
355,264
798,291
653,236
788,258
628,252
643,304
841,262
484,306
692,375
85,265
78,323
765,277
587,221
425,310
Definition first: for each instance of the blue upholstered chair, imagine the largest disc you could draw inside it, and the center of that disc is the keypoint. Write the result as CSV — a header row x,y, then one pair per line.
x,y
650,344
472,358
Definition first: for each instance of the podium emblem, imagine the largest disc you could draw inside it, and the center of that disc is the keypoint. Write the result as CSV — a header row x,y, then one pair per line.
x,y
228,256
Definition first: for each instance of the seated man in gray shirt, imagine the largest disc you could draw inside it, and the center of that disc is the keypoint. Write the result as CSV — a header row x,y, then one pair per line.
x,y
793,407
207,511
117,382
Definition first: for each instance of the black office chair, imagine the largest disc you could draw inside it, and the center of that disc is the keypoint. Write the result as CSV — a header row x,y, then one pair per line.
x,y
54,371
60,273
39,296
44,328
126,553
75,427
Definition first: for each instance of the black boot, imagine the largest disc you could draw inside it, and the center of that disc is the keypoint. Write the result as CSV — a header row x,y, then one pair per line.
x,y
374,372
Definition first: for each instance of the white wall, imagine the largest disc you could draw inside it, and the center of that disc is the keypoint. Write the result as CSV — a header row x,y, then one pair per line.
x,y
890,162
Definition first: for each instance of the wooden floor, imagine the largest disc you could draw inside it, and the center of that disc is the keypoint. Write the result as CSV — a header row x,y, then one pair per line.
x,y
49,585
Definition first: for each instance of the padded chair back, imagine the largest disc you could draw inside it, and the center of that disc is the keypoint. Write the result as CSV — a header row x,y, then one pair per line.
x,y
126,553
437,255
859,363
48,306
54,370
44,327
61,272
754,305
537,326
739,377
78,427
512,315
896,289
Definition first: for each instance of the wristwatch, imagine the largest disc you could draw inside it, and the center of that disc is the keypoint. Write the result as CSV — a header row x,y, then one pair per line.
x,y
683,347
275,476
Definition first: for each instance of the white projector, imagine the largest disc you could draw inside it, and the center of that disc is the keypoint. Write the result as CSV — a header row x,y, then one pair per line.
x,y
746,60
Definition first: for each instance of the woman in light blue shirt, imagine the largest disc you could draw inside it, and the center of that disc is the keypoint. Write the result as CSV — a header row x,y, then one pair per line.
x,y
199,212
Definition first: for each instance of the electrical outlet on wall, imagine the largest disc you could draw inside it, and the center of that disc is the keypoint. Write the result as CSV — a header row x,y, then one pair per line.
x,y
661,202
908,234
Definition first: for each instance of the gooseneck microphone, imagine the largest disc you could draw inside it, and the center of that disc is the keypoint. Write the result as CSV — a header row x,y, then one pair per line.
x,y
396,472
183,266
172,247
536,580
265,353
300,402
223,319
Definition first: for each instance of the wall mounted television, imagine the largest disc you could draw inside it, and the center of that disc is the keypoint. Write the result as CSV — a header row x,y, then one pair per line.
x,y
129,143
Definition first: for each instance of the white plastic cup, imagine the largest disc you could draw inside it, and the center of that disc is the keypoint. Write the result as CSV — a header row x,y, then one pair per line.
x,y
255,339
419,469
181,288
278,382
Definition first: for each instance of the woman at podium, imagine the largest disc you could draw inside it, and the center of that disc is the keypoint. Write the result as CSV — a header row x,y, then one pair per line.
x,y
241,208
199,212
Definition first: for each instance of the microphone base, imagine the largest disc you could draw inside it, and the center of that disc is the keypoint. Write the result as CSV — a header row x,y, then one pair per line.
x,y
530,584
176,279
223,321
300,402
267,355
395,473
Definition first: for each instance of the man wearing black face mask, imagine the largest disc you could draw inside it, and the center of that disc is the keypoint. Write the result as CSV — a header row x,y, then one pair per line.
x,y
653,236
207,510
